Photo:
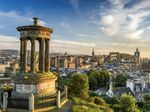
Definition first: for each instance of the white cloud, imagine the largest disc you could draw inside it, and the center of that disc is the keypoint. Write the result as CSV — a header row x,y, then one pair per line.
x,y
5,38
65,26
11,14
8,42
109,31
74,43
123,26
11,42
143,4
84,36
14,17
73,47
107,20
123,23
135,35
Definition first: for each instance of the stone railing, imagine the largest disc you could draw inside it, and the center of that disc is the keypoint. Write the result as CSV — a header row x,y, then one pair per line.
x,y
40,103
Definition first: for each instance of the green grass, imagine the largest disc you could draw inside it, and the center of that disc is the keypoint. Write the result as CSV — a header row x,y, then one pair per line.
x,y
81,105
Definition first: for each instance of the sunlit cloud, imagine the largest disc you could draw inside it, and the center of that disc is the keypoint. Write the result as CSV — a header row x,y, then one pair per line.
x,y
124,23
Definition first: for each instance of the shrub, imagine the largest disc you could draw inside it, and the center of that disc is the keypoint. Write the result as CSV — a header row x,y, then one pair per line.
x,y
91,99
99,101
79,85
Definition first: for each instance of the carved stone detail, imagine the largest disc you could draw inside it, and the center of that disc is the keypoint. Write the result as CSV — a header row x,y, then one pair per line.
x,y
31,33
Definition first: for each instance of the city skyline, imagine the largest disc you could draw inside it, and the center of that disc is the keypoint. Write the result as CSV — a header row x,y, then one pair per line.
x,y
81,25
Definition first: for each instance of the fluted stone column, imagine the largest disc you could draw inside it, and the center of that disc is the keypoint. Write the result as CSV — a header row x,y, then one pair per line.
x,y
21,55
47,63
33,55
41,56
24,56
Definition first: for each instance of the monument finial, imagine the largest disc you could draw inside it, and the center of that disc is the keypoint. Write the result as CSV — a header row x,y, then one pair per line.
x,y
35,20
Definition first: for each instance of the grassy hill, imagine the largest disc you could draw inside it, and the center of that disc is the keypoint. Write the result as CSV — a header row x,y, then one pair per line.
x,y
80,105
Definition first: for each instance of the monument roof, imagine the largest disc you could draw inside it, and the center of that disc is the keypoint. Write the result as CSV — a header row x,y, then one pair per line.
x,y
35,26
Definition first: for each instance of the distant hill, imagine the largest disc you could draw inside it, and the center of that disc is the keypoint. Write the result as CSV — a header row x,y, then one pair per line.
x,y
9,52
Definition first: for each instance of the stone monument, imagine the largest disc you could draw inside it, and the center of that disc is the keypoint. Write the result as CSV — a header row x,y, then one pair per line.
x,y
32,81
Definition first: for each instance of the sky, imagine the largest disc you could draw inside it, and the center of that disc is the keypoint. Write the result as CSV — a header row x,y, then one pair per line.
x,y
81,25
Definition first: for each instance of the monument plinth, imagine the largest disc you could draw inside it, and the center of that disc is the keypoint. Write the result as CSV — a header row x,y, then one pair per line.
x,y
40,81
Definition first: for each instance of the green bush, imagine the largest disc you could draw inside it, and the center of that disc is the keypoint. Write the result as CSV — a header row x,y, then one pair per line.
x,y
99,101
128,103
79,86
91,99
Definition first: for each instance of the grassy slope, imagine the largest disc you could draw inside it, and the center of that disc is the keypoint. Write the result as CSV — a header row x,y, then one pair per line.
x,y
81,105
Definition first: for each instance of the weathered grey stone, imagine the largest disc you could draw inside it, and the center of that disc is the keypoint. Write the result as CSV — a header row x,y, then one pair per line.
x,y
41,55
33,55
47,55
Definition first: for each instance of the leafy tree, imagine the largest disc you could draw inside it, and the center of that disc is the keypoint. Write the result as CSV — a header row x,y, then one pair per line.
x,y
92,80
79,85
128,103
120,80
123,103
62,82
112,101
97,79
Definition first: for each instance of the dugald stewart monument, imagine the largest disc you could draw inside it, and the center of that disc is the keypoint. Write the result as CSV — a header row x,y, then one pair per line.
x,y
34,88
39,81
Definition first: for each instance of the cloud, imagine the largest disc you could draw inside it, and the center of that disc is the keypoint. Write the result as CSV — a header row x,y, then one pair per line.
x,y
135,35
75,5
8,42
84,36
123,23
74,43
107,20
13,18
108,31
66,26
73,47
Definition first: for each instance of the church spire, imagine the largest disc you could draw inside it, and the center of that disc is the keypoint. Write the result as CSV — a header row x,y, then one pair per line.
x,y
93,53
137,50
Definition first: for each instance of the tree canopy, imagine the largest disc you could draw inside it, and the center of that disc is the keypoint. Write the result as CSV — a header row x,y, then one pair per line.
x,y
128,103
79,85
98,79
120,80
